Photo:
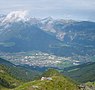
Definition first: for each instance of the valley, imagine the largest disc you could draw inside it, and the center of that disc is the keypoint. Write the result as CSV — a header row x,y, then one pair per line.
x,y
41,59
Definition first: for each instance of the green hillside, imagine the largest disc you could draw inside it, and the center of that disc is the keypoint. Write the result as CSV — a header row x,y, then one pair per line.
x,y
19,72
12,76
82,73
23,74
7,80
91,84
51,72
52,81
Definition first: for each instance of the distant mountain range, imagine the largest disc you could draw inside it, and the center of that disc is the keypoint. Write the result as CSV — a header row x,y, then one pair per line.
x,y
18,32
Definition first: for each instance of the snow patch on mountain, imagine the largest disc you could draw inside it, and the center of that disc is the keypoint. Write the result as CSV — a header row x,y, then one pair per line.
x,y
15,16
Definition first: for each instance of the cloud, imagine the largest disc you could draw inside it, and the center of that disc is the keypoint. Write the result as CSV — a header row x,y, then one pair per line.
x,y
75,9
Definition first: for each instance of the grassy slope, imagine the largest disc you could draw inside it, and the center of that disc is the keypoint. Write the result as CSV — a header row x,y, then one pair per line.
x,y
90,84
12,76
82,73
23,74
19,72
58,82
7,80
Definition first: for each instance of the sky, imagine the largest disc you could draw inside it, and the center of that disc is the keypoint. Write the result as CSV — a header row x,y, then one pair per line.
x,y
64,9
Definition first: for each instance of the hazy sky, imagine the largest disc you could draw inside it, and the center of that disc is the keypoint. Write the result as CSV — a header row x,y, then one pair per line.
x,y
70,9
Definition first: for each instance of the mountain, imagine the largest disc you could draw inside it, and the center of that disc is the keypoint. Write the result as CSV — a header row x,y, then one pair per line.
x,y
4,62
53,81
66,38
17,28
22,36
26,40
15,16
82,73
